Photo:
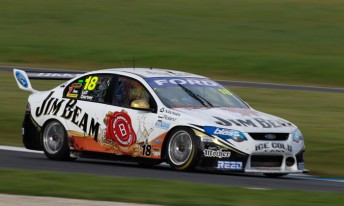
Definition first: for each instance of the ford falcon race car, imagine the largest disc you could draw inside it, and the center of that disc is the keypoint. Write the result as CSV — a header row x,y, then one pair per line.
x,y
153,116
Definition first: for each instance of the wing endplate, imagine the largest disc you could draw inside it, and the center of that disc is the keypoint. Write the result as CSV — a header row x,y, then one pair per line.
x,y
23,80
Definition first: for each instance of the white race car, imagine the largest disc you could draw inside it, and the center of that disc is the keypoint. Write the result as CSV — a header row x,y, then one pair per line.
x,y
153,116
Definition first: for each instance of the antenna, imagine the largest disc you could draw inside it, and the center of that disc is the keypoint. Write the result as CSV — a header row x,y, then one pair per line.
x,y
134,61
120,58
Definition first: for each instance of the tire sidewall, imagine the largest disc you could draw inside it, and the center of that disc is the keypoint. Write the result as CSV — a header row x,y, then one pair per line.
x,y
190,163
63,153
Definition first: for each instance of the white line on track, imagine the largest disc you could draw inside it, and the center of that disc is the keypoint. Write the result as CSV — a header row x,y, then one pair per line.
x,y
284,85
18,149
257,188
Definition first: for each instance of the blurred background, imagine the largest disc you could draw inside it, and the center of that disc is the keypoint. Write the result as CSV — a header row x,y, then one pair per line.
x,y
285,41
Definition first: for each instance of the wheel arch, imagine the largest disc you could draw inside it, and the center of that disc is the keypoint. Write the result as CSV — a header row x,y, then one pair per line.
x,y
63,153
46,123
168,135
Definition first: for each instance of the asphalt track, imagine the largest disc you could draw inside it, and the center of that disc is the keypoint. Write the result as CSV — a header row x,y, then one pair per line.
x,y
38,162
223,82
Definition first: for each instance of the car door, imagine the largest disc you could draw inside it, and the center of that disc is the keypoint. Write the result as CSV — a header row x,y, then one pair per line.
x,y
131,120
86,98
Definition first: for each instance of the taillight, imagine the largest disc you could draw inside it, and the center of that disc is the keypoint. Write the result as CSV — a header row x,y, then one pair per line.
x,y
28,107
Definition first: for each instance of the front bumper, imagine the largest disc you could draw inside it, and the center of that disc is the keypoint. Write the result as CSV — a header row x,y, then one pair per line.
x,y
217,157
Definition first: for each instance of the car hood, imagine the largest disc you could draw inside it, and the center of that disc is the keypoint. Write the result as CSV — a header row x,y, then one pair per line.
x,y
244,120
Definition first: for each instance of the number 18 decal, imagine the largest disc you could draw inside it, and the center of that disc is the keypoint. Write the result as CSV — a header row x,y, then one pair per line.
x,y
146,150
91,83
225,91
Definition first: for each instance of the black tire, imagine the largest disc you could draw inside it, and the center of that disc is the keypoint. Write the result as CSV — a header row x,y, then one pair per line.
x,y
275,175
55,141
181,149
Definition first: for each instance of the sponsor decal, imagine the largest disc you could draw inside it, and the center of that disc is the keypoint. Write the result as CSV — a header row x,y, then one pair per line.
x,y
71,112
162,125
73,90
21,79
170,112
254,122
206,139
214,152
166,73
156,152
297,136
166,117
119,129
229,165
273,147
242,111
146,150
225,133
157,82
72,95
270,136
55,75
268,168
85,96
301,165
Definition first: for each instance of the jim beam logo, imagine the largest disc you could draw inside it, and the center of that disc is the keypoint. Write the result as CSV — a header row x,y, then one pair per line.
x,y
69,111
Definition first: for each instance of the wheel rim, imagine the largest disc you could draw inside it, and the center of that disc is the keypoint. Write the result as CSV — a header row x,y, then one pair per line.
x,y
53,137
180,148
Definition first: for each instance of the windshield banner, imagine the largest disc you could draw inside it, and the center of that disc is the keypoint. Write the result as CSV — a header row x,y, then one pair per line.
x,y
157,82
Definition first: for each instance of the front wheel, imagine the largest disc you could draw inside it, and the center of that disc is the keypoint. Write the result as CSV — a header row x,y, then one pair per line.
x,y
55,141
182,149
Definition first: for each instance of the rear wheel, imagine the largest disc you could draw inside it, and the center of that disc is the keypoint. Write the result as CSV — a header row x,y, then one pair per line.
x,y
55,142
182,149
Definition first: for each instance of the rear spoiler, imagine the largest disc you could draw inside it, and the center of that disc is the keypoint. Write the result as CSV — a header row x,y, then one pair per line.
x,y
53,75
23,78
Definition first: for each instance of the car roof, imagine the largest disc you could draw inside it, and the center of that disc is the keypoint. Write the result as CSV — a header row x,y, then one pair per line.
x,y
153,72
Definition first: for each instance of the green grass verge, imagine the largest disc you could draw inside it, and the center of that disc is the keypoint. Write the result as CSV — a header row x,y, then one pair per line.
x,y
298,42
152,191
318,115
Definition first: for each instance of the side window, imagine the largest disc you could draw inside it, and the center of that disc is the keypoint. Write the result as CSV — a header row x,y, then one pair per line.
x,y
92,87
128,90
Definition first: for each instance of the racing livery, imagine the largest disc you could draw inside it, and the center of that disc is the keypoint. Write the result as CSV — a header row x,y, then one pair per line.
x,y
153,116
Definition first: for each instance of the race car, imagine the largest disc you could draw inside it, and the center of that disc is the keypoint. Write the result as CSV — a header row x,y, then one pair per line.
x,y
155,115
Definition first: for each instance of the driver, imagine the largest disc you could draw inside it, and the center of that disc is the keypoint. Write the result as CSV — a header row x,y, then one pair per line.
x,y
127,91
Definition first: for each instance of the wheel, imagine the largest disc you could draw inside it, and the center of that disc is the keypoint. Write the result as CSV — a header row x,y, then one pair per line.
x,y
182,149
274,175
55,142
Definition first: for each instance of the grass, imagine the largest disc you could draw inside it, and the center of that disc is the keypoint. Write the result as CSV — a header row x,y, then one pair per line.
x,y
318,115
152,191
285,41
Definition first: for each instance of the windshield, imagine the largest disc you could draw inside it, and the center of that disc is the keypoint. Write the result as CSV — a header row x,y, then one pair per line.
x,y
193,92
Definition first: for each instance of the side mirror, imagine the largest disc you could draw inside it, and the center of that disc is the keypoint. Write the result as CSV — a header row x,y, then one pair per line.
x,y
140,104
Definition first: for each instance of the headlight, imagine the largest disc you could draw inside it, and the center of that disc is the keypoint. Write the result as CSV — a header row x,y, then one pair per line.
x,y
297,136
226,133
204,137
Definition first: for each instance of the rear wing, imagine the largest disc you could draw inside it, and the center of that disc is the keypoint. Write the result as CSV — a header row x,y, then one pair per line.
x,y
53,75
23,78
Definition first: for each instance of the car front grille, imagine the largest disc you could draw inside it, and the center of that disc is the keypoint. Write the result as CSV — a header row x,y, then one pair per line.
x,y
266,161
268,136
